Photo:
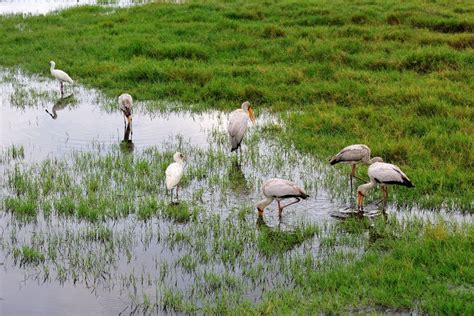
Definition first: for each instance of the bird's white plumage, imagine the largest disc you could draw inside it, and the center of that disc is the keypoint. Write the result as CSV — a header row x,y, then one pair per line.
x,y
278,188
383,172
175,171
352,154
238,123
59,74
125,103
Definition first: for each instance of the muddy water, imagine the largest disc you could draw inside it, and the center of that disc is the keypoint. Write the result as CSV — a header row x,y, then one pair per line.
x,y
35,117
36,7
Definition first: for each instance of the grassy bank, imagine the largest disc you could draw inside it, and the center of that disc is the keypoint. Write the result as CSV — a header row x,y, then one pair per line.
x,y
397,77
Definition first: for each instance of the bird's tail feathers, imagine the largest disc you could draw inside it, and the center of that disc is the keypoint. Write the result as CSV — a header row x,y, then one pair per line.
x,y
407,183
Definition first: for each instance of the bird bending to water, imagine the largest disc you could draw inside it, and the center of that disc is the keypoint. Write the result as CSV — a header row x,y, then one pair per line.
x,y
126,104
280,189
383,174
353,155
60,75
238,122
174,172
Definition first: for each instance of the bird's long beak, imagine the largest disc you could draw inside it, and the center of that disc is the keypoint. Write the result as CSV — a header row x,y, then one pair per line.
x,y
251,115
260,212
360,201
129,118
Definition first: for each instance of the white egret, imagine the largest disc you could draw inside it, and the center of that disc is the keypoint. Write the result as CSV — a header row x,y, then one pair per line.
x,y
238,122
174,172
126,104
60,75
353,155
280,189
383,174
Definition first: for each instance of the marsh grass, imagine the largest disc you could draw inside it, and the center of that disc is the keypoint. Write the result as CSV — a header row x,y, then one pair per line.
x,y
28,256
273,241
393,75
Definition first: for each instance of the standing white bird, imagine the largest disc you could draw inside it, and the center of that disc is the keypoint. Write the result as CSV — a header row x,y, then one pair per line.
x,y
353,155
280,189
383,174
174,172
60,75
126,104
238,122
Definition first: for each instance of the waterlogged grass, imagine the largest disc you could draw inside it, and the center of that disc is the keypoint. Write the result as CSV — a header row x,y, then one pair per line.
x,y
210,253
420,268
396,76
27,255
272,241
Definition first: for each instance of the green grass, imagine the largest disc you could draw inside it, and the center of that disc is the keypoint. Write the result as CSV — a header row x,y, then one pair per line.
x,y
28,255
396,76
273,241
428,269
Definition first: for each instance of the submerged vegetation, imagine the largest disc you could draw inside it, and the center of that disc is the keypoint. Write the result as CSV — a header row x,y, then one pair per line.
x,y
396,76
74,219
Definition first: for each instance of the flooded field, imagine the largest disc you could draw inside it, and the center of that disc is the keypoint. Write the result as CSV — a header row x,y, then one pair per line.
x,y
87,221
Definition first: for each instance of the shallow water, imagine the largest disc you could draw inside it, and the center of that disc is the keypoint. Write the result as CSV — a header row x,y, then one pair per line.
x,y
36,7
131,264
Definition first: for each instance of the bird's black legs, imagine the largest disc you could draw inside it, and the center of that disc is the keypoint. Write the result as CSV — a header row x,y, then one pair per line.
x,y
385,196
177,187
62,88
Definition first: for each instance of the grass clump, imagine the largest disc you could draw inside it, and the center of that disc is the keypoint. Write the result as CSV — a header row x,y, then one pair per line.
x,y
273,241
180,212
28,255
99,233
147,208
65,205
21,206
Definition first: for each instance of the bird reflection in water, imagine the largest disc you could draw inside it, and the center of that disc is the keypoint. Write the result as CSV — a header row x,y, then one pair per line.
x,y
126,145
60,105
238,182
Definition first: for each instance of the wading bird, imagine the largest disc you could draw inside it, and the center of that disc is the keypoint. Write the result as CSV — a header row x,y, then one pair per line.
x,y
126,104
353,155
280,189
60,75
174,172
238,122
383,174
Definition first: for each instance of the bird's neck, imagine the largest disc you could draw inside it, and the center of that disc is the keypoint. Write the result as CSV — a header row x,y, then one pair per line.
x,y
264,203
364,187
51,68
371,161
